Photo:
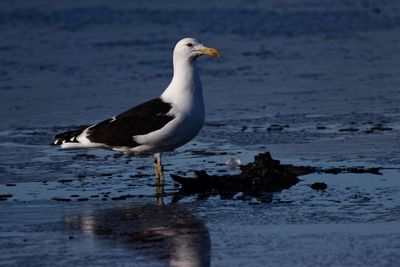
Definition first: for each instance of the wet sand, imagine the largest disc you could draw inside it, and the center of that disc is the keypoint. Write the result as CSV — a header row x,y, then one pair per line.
x,y
313,83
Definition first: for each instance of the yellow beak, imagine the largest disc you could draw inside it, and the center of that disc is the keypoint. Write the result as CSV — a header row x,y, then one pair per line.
x,y
212,52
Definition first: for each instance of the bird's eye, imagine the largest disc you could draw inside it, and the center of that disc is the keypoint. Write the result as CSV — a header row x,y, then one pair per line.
x,y
190,44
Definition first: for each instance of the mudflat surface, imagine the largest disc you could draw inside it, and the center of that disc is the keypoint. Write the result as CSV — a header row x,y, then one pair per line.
x,y
314,83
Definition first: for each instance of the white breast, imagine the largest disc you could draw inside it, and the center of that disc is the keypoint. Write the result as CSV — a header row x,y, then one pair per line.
x,y
185,94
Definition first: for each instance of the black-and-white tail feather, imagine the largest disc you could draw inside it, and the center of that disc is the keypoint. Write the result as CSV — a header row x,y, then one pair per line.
x,y
68,137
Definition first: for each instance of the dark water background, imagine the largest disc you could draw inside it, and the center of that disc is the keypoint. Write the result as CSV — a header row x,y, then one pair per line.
x,y
329,70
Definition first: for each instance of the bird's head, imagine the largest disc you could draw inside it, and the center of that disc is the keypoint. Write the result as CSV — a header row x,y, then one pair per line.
x,y
190,48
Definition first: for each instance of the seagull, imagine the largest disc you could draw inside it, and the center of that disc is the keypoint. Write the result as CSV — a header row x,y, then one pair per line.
x,y
158,125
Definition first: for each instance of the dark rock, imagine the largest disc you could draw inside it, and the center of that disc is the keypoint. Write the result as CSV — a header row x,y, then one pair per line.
x,y
65,181
364,170
319,186
276,127
214,124
378,128
5,197
84,156
207,153
62,199
336,170
122,197
333,170
350,129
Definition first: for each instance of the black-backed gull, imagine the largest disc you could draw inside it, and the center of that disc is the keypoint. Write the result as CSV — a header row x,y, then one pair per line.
x,y
158,125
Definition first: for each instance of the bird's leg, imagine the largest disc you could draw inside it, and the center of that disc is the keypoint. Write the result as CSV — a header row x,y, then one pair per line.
x,y
160,194
158,168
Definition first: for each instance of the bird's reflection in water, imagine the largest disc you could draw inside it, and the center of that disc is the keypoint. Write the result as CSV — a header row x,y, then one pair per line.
x,y
167,232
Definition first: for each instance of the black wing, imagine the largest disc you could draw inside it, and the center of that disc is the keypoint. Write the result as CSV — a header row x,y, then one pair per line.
x,y
142,119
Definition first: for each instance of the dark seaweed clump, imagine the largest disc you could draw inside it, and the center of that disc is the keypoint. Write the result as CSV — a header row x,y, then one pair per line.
x,y
256,179
263,175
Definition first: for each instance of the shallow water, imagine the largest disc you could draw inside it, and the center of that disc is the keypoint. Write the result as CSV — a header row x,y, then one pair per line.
x,y
313,83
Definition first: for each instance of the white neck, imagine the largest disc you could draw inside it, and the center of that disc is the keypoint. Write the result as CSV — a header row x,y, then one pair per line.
x,y
185,89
